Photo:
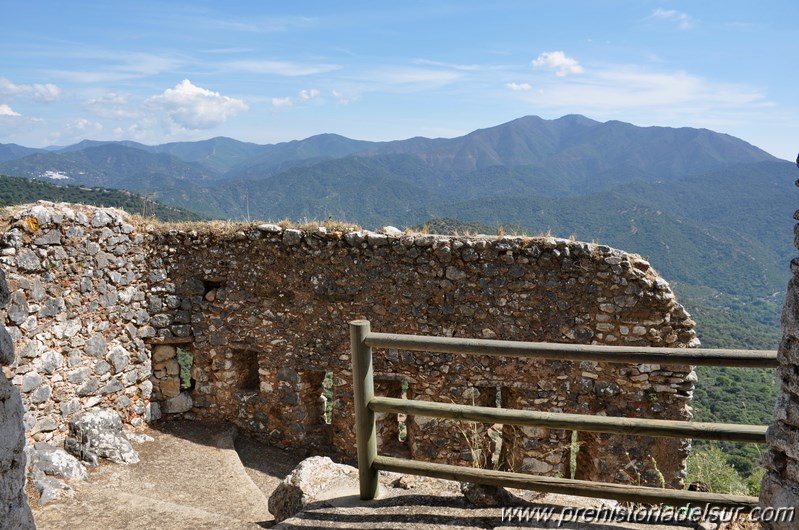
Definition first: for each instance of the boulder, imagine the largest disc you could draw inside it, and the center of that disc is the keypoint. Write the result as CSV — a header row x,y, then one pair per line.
x,y
482,496
180,403
56,462
50,489
99,434
313,479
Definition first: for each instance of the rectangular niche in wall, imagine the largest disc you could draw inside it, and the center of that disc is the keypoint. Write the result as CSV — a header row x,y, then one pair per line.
x,y
245,366
185,362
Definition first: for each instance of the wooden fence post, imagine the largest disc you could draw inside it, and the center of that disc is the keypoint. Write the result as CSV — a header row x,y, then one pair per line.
x,y
363,390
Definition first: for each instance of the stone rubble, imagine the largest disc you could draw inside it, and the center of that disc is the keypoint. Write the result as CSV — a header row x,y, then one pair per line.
x,y
99,433
312,479
48,466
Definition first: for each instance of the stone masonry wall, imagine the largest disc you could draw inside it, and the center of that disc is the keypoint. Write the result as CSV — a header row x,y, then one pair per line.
x,y
14,510
77,314
267,310
104,310
780,486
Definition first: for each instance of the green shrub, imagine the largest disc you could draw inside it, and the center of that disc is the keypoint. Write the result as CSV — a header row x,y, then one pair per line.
x,y
710,467
185,360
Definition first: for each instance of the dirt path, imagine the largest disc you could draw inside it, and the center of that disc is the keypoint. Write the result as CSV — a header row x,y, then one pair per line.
x,y
193,476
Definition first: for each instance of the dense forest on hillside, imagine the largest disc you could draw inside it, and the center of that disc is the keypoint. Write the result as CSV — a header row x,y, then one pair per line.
x,y
17,190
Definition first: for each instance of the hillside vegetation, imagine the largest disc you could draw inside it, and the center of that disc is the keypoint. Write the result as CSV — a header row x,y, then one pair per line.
x,y
16,190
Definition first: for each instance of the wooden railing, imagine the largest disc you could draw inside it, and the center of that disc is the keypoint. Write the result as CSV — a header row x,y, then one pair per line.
x,y
366,405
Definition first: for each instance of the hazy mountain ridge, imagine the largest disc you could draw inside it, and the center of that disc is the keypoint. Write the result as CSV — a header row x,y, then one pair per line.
x,y
712,211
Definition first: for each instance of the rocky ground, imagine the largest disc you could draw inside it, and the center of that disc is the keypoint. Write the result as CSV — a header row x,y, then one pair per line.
x,y
195,476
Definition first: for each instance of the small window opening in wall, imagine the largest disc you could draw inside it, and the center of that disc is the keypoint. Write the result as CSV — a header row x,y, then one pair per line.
x,y
248,369
495,433
574,448
327,397
402,419
209,289
185,361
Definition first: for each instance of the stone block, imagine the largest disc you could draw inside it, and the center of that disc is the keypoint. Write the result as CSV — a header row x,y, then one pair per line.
x,y
784,439
789,320
170,387
307,483
119,357
162,352
776,493
180,403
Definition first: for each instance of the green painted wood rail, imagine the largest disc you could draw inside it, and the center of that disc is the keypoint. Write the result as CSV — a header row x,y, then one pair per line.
x,y
366,405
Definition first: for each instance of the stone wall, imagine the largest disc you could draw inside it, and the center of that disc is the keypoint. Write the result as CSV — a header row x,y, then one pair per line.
x,y
104,310
780,486
77,314
14,510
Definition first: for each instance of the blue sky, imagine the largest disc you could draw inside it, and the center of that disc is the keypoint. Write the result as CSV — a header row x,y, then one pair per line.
x,y
267,72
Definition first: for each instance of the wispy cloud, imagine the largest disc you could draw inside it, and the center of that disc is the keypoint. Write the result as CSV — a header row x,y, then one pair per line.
x,y
523,87
558,61
83,128
454,66
305,95
282,102
422,78
342,98
284,68
682,19
5,110
302,97
114,67
46,92
245,25
112,105
192,107
617,90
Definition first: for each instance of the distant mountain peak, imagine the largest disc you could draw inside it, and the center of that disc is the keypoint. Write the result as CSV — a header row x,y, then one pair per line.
x,y
577,119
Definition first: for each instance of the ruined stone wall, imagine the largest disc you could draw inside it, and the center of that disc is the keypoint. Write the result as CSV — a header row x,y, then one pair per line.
x,y
14,510
268,311
77,314
261,313
780,486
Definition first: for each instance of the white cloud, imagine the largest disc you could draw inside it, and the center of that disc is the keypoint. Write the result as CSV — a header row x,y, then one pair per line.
x,y
559,62
83,126
412,76
5,110
115,66
665,97
46,92
192,107
302,97
519,86
683,20
305,95
112,105
283,68
342,98
282,102
454,66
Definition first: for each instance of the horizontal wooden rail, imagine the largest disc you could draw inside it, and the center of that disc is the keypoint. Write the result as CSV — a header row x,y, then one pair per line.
x,y
602,490
577,422
577,352
366,405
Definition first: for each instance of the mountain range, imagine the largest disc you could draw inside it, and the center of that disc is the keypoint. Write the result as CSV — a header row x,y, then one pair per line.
x,y
712,212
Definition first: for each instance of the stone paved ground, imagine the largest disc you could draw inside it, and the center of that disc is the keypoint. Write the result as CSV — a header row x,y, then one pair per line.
x,y
191,477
